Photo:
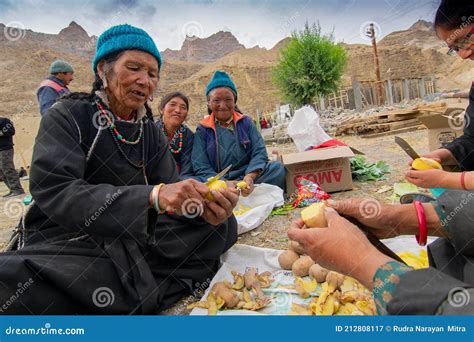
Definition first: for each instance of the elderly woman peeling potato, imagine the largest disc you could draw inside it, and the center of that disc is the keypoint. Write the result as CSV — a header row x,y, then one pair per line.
x,y
104,182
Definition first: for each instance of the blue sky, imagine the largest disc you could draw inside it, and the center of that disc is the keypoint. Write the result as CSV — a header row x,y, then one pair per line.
x,y
263,22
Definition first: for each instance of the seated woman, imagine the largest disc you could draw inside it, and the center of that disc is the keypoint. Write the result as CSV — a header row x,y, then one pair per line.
x,y
227,137
454,25
443,288
174,110
97,239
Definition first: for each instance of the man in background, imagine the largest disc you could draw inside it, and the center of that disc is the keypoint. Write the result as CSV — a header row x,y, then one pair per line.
x,y
55,86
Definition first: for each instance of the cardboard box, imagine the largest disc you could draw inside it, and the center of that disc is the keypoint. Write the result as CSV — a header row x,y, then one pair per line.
x,y
329,167
443,128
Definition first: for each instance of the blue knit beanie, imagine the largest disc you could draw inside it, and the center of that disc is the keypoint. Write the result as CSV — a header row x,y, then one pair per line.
x,y
221,79
124,37
60,66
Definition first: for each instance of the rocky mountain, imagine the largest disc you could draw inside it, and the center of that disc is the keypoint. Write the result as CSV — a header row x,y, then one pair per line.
x,y
421,34
403,54
195,49
72,39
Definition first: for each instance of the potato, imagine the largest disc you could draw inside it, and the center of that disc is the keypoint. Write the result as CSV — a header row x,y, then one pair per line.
x,y
334,280
301,266
296,247
287,258
215,185
313,216
230,298
318,273
242,185
425,164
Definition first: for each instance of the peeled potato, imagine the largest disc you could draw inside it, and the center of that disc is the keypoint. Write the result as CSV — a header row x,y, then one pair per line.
x,y
423,163
296,247
313,216
287,258
318,273
301,266
241,185
216,185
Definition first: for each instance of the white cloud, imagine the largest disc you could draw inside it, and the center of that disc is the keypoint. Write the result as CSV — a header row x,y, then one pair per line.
x,y
253,22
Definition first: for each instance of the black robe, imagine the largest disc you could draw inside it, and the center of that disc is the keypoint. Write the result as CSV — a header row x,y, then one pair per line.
x,y
447,286
462,148
91,238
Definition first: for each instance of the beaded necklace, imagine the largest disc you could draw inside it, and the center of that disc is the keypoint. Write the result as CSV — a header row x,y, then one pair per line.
x,y
114,130
117,137
177,137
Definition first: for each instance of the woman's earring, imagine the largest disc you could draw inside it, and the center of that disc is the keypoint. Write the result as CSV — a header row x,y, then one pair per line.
x,y
104,82
150,98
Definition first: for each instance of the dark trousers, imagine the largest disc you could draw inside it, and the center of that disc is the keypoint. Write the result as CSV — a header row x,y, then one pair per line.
x,y
7,168
95,275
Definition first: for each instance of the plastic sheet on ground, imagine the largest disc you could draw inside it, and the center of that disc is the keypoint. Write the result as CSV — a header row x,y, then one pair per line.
x,y
240,257
252,210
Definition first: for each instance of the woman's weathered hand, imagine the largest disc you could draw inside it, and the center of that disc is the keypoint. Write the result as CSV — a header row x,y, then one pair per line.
x,y
370,213
340,247
250,185
218,211
178,197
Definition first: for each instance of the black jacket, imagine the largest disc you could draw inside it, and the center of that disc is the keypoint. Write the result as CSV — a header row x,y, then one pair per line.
x,y
462,148
7,131
447,286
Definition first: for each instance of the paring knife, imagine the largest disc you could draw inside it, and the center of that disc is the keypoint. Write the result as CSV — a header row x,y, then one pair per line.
x,y
407,148
219,175
381,247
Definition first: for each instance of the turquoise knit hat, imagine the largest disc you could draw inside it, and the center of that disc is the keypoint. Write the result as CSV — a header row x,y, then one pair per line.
x,y
221,79
124,37
60,66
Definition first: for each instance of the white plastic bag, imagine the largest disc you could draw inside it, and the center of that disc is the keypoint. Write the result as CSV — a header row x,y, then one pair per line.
x,y
305,130
261,202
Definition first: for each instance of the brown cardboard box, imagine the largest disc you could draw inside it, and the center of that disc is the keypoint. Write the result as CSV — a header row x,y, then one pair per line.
x,y
443,128
329,167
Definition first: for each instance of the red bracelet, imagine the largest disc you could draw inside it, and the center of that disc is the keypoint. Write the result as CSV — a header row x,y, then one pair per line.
x,y
420,212
463,184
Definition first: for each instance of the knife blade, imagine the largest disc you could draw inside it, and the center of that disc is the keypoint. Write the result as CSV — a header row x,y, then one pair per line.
x,y
219,175
407,148
381,247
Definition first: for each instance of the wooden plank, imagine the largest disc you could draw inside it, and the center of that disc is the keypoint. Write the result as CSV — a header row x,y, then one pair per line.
x,y
394,125
395,131
358,126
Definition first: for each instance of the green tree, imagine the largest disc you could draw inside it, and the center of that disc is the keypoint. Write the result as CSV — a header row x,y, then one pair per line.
x,y
311,65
